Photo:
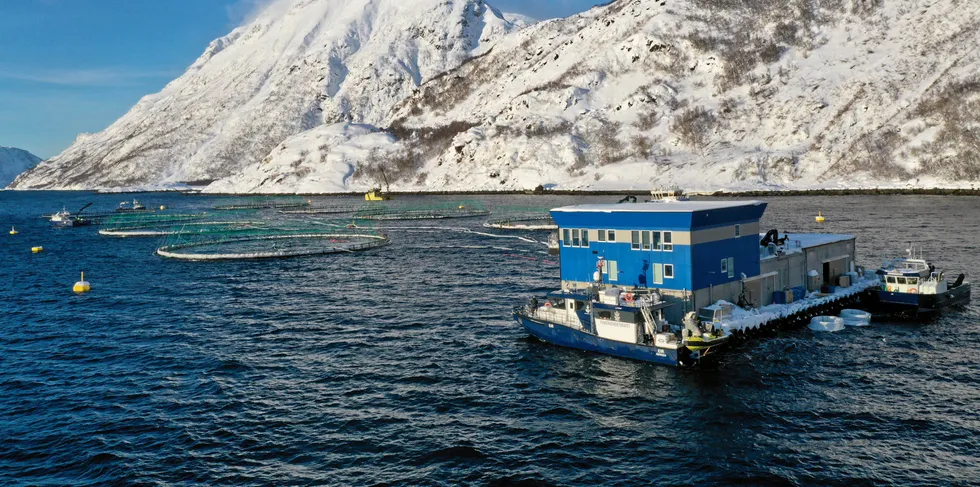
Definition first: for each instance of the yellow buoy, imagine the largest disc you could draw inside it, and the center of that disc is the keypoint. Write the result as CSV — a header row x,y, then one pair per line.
x,y
13,231
37,250
82,286
462,207
820,218
162,207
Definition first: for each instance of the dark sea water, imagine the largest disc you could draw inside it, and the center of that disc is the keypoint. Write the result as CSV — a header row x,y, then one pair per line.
x,y
402,366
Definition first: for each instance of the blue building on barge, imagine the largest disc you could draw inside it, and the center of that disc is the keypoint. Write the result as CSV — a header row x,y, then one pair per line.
x,y
631,273
682,248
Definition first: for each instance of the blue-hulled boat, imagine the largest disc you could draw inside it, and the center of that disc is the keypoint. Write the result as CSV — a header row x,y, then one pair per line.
x,y
613,321
913,289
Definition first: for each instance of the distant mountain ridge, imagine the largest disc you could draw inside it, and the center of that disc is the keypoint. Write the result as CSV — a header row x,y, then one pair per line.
x,y
703,94
13,162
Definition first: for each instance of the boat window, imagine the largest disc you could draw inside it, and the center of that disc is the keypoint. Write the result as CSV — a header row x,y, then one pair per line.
x,y
890,280
602,235
646,240
668,241
575,237
612,235
625,316
585,238
635,240
579,305
913,280
657,245
567,241
604,315
901,280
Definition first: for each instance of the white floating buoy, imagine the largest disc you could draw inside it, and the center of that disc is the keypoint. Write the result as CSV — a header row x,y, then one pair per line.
x,y
82,286
826,323
855,317
162,207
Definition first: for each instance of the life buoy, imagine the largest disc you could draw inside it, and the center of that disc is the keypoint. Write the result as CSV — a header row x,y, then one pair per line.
x,y
628,297
547,304
913,291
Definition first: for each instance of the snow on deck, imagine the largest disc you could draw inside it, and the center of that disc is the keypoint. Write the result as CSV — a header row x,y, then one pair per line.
x,y
750,319
798,242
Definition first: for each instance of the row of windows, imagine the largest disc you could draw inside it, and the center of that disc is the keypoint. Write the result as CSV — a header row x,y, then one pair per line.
x,y
640,239
574,237
652,240
902,280
660,271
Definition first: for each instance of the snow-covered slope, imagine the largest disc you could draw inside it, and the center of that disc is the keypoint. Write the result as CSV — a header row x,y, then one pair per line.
x,y
709,94
13,162
300,64
704,94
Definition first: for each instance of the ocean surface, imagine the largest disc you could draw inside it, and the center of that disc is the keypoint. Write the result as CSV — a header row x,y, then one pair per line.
x,y
402,365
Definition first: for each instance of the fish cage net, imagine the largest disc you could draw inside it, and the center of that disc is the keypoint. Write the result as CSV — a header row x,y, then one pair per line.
x,y
181,228
523,222
467,209
327,210
133,221
274,240
264,204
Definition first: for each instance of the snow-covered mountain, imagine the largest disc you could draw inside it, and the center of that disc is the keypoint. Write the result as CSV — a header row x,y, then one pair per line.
x,y
710,94
300,64
704,94
13,162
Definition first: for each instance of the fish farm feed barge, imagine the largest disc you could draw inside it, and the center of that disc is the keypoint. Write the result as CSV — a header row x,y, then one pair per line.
x,y
654,281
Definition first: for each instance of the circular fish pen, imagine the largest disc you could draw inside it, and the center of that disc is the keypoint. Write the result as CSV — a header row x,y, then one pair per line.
x,y
325,210
263,205
431,214
132,221
534,223
190,228
272,246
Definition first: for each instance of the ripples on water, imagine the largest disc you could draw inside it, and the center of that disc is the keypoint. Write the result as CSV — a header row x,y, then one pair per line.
x,y
401,366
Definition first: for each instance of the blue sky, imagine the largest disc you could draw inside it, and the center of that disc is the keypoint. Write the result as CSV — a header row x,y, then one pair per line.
x,y
72,66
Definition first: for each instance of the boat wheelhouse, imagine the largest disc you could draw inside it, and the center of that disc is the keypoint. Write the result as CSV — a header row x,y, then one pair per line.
x,y
126,207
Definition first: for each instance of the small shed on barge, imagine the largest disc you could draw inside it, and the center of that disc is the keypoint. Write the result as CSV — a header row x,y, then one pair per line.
x,y
693,252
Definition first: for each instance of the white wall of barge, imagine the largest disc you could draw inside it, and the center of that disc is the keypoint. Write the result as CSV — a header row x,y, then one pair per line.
x,y
756,318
